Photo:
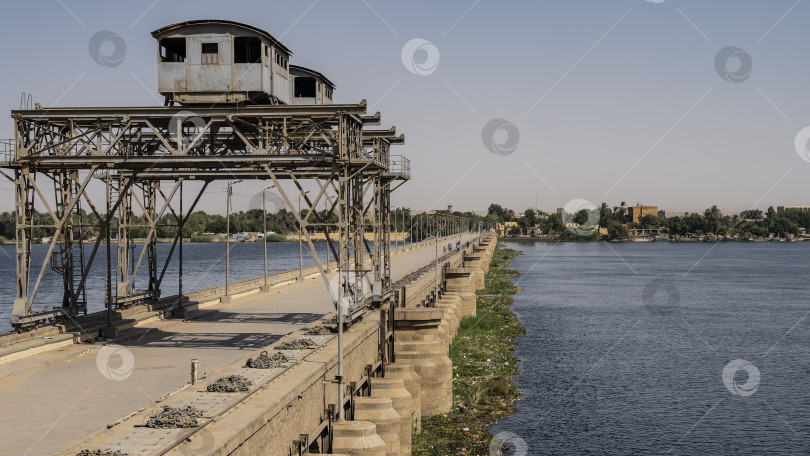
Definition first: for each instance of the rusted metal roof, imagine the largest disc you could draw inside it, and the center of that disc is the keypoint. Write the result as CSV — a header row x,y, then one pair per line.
x,y
251,28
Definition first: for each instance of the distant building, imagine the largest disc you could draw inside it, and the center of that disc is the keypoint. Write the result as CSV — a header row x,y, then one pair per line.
x,y
503,228
639,211
534,231
781,209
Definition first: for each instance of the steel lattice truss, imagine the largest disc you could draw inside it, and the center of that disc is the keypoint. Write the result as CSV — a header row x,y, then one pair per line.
x,y
144,154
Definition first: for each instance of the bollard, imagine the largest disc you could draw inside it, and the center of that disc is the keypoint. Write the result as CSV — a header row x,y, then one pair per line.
x,y
195,368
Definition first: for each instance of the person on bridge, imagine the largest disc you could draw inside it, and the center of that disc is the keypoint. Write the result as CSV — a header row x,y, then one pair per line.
x,y
458,245
444,249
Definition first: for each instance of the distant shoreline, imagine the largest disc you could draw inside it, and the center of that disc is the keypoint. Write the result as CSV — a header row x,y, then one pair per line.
x,y
680,241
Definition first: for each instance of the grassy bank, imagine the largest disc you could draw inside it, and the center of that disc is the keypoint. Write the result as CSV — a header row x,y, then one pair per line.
x,y
484,390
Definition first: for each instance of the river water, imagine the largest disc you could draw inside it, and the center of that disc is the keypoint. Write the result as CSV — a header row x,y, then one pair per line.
x,y
662,348
203,267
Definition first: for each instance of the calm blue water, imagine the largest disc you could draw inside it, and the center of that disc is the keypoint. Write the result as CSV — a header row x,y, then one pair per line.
x,y
609,369
203,267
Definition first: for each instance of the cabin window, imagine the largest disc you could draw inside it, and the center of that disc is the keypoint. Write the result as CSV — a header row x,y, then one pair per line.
x,y
173,50
247,49
210,53
281,61
305,87
328,92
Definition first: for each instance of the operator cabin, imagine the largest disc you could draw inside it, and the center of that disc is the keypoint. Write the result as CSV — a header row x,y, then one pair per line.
x,y
205,62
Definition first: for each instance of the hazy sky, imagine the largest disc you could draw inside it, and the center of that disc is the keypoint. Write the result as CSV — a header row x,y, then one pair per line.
x,y
622,100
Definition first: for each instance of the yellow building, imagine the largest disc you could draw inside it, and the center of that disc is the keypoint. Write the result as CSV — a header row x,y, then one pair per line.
x,y
503,228
638,211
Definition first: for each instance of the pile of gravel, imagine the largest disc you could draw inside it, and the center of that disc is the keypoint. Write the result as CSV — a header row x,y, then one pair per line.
x,y
297,344
230,384
170,418
101,453
267,362
320,331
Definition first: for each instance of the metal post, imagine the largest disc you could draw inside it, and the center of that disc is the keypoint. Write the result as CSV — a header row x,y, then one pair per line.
x,y
180,254
436,284
300,247
109,264
228,241
264,235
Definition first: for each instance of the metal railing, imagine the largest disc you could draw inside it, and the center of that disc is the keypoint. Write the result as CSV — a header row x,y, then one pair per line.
x,y
400,165
6,150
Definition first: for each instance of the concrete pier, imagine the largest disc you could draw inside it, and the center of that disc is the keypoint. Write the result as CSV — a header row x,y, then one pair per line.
x,y
460,284
358,438
394,389
413,383
380,411
417,338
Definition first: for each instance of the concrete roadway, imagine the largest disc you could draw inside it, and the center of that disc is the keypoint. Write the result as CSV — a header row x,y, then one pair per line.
x,y
51,401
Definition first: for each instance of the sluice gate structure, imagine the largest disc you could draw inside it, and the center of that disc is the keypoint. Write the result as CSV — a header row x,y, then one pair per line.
x,y
236,110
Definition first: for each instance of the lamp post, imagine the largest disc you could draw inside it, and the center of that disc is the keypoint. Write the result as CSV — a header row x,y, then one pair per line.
x,y
436,233
300,246
410,233
264,236
227,297
325,230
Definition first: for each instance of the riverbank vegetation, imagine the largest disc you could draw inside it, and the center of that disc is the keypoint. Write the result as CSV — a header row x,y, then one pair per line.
x,y
484,367
204,226
618,223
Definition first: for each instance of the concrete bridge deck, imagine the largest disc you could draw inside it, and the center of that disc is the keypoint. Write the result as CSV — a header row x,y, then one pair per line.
x,y
53,400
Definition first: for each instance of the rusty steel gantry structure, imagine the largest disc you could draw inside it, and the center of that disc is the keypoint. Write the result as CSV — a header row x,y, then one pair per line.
x,y
136,151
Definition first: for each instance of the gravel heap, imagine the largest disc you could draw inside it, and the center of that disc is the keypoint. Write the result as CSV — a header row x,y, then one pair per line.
x,y
320,331
230,384
171,418
413,276
101,453
297,344
267,362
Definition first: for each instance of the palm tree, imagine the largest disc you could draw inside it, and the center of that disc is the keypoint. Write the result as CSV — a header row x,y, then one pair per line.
x,y
712,214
